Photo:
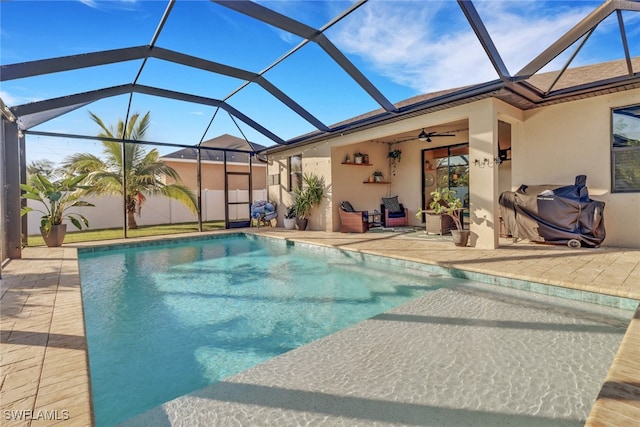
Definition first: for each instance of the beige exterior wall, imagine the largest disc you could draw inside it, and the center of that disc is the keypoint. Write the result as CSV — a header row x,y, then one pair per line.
x,y
316,159
550,145
213,173
562,141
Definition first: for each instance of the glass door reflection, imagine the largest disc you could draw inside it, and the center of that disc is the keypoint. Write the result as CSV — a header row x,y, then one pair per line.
x,y
446,167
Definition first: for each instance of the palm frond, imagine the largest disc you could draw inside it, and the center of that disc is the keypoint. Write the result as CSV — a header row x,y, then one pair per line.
x,y
107,132
182,194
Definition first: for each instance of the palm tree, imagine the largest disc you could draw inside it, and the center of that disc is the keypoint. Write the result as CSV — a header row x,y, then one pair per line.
x,y
143,170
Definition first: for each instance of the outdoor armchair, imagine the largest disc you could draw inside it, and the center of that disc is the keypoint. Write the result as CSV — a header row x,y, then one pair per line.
x,y
352,221
393,213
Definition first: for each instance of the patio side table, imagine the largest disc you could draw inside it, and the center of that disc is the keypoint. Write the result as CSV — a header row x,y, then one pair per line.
x,y
375,219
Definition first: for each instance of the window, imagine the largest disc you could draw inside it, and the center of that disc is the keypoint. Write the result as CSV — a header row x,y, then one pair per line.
x,y
295,172
625,150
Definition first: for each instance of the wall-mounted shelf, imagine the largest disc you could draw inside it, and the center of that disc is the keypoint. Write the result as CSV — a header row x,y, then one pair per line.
x,y
357,164
379,182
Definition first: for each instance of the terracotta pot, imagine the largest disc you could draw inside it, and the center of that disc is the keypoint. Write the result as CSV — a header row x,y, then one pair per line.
x,y
55,236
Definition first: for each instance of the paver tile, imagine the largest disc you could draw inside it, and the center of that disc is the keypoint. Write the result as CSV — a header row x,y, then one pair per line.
x,y
34,284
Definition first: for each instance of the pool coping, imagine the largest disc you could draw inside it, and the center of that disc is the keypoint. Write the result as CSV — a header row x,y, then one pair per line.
x,y
618,400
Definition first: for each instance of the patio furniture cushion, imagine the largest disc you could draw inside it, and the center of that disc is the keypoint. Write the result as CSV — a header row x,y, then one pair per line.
x,y
395,214
392,205
393,219
347,207
262,213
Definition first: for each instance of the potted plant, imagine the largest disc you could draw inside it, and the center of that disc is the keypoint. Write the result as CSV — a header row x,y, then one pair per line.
x,y
445,202
290,218
357,157
306,197
394,158
377,176
57,198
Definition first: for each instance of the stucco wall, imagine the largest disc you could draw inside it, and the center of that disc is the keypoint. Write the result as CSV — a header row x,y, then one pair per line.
x,y
316,159
550,145
348,179
561,141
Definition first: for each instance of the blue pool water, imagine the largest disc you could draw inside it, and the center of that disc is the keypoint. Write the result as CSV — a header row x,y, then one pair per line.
x,y
164,321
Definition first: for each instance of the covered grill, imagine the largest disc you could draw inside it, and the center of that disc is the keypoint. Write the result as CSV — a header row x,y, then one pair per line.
x,y
554,214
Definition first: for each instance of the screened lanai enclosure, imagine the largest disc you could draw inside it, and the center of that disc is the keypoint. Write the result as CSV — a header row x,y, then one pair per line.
x,y
228,82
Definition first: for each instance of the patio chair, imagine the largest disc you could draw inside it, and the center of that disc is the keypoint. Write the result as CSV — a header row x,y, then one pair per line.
x,y
393,213
351,220
263,213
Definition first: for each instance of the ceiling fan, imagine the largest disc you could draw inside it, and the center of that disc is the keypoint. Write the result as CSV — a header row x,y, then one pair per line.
x,y
426,136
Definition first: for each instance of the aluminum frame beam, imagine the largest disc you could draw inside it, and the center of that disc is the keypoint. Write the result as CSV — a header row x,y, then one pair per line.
x,y
88,97
625,44
74,62
470,12
569,38
292,26
11,222
71,62
517,83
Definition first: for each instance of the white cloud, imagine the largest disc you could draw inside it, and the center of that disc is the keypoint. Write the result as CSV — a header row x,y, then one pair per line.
x,y
430,46
12,100
97,4
8,98
90,3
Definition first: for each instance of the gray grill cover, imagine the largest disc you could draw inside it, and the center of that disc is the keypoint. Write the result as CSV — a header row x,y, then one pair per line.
x,y
554,214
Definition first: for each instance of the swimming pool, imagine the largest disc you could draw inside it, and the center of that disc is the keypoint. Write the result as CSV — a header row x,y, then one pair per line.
x,y
167,320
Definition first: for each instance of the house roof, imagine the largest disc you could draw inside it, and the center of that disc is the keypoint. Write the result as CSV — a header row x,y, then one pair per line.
x,y
569,85
215,148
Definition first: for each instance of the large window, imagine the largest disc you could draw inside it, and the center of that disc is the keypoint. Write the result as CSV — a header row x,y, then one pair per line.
x,y
295,172
625,149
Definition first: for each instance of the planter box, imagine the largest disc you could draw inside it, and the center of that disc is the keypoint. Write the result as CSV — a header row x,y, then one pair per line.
x,y
438,223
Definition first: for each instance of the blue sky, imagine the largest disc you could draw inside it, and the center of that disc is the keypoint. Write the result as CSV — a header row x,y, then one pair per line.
x,y
405,48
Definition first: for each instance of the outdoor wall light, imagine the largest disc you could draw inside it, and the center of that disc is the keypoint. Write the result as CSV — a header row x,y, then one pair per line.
x,y
487,162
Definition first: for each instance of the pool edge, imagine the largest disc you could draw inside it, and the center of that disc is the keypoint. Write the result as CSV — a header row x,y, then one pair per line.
x,y
604,411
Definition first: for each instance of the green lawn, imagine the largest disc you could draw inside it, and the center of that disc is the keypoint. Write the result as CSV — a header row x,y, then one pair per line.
x,y
116,233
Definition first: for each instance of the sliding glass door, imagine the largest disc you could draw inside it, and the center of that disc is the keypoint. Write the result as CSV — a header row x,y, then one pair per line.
x,y
446,167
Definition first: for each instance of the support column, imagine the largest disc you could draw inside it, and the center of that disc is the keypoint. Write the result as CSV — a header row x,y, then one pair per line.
x,y
10,180
199,185
483,176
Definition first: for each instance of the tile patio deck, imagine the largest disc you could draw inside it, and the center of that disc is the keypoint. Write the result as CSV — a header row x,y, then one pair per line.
x,y
45,376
